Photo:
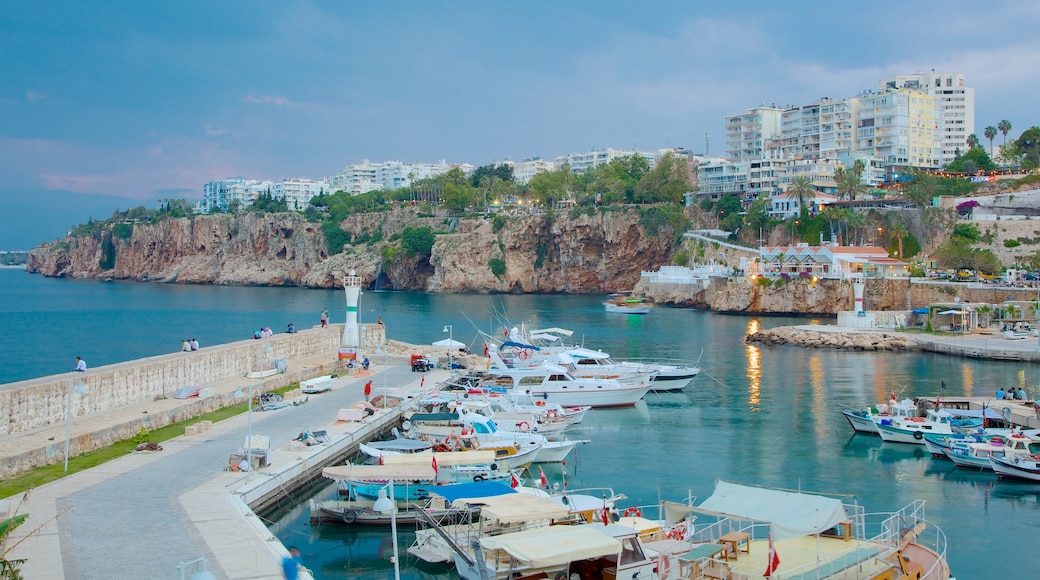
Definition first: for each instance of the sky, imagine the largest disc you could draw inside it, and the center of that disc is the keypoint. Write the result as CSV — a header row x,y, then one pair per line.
x,y
115,104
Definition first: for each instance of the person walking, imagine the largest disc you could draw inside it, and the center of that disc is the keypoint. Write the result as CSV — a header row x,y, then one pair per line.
x,y
324,318
81,365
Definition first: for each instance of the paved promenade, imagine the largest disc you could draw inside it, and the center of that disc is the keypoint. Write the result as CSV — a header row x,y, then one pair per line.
x,y
142,515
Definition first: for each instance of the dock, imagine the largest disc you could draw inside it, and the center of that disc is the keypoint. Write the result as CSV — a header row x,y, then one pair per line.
x,y
160,514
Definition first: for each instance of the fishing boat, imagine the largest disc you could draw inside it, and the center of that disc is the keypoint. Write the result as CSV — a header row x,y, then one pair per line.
x,y
448,468
461,429
913,429
866,420
626,303
1017,467
977,455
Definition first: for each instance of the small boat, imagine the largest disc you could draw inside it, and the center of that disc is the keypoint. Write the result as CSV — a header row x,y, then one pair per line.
x,y
626,303
977,455
316,385
1018,466
866,420
913,429
274,367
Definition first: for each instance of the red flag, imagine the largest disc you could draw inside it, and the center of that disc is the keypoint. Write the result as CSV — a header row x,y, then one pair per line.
x,y
435,465
541,476
485,349
505,332
514,481
422,381
605,516
773,561
380,459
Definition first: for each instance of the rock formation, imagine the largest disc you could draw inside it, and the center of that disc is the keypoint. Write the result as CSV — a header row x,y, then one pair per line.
x,y
865,341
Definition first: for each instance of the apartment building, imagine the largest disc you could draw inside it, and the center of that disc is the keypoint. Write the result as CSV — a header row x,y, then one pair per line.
x,y
749,133
954,99
366,176
218,195
582,162
900,126
524,170
297,193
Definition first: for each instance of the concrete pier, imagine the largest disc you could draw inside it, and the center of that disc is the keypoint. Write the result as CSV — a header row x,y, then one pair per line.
x,y
142,515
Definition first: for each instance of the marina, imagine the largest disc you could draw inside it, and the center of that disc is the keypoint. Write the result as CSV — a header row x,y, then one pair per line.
x,y
762,415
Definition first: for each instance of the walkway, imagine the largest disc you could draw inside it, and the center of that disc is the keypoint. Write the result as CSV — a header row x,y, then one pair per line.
x,y
143,515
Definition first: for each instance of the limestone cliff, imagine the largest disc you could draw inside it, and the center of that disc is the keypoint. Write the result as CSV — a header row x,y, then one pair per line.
x,y
576,252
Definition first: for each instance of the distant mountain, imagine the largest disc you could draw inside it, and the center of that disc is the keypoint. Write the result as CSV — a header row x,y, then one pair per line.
x,y
33,216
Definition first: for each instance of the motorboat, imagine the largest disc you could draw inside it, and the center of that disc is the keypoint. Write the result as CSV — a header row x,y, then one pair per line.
x,y
1018,466
866,420
977,455
556,384
447,468
316,385
626,303
913,429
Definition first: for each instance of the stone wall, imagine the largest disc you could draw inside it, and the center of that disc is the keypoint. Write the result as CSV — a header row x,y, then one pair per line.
x,y
26,405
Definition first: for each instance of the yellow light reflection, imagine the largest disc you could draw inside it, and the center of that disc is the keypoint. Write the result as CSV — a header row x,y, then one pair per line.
x,y
968,374
754,367
820,404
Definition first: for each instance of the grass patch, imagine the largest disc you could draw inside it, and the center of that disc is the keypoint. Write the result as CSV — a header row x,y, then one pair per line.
x,y
54,472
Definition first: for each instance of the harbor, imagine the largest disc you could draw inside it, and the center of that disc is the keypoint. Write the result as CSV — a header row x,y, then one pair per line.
x,y
755,414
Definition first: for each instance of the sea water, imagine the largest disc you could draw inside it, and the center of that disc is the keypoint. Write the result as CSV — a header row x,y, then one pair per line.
x,y
761,415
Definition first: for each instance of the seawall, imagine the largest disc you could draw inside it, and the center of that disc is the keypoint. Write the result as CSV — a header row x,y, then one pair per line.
x,y
35,409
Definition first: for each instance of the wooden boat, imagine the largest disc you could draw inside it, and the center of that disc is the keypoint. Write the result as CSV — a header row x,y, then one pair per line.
x,y
913,429
866,420
739,527
1018,466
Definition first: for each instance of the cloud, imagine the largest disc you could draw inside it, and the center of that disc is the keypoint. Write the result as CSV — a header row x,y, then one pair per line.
x,y
212,132
267,100
34,96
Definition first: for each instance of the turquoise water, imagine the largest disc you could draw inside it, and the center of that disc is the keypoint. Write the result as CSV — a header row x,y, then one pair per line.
x,y
756,415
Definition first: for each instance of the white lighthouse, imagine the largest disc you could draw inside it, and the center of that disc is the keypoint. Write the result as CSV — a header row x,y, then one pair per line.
x,y
351,333
857,293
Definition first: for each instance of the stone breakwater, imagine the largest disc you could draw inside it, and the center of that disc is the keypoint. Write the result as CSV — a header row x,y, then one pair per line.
x,y
863,341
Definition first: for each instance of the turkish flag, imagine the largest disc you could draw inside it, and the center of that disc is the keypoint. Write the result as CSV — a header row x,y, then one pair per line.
x,y
514,481
541,476
605,516
435,465
773,561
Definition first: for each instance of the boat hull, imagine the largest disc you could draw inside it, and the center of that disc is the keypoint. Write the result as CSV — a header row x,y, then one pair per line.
x,y
626,309
860,422
592,396
1016,467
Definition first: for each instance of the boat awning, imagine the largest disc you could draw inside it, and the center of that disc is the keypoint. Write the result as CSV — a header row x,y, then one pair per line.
x,y
519,345
554,545
553,330
402,445
587,353
476,489
443,459
792,514
413,472
516,508
991,413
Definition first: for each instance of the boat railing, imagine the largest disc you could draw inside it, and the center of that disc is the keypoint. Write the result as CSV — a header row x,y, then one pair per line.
x,y
907,526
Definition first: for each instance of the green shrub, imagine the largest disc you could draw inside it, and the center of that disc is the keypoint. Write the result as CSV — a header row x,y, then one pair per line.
x,y
681,258
335,237
498,267
540,253
1012,243
122,231
497,223
417,241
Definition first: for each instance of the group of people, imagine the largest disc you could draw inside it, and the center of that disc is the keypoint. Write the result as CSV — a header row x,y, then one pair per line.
x,y
189,344
1012,394
262,332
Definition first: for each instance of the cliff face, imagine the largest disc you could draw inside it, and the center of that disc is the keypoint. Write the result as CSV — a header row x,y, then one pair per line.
x,y
596,253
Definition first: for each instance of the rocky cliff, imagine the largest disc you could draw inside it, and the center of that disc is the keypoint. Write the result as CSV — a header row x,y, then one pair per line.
x,y
576,252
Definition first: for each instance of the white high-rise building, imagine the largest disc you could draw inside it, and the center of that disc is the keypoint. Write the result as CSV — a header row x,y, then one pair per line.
x,y
582,162
824,129
297,193
748,134
953,97
366,176
528,168
218,195
901,127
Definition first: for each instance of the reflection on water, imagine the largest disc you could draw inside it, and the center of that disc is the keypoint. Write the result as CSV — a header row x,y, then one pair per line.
x,y
968,380
754,367
820,398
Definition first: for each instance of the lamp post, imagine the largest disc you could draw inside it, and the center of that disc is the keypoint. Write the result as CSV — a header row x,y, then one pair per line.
x,y
80,389
448,328
265,348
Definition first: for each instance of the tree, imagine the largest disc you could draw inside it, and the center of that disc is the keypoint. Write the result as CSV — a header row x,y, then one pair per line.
x,y
972,161
898,231
973,141
991,134
849,181
1004,127
1028,145
728,208
418,241
921,188
666,182
802,188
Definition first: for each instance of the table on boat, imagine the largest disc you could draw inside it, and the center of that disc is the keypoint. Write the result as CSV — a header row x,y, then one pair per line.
x,y
698,552
733,540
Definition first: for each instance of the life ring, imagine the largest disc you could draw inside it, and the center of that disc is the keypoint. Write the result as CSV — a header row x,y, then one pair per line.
x,y
633,512
524,354
676,534
452,442
540,403
478,478
349,516
552,414
1015,460
524,426
918,435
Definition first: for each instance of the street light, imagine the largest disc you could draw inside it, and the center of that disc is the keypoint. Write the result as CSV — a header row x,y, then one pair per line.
x,y
79,389
448,328
266,348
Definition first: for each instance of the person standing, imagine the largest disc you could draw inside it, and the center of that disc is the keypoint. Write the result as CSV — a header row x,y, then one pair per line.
x,y
81,365
324,318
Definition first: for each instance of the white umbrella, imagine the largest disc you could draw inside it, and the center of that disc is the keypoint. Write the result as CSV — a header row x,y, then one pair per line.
x,y
952,312
449,343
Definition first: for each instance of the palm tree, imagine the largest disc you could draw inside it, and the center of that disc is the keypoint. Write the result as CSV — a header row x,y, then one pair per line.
x,y
991,134
849,182
802,187
973,141
853,223
898,231
1004,127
